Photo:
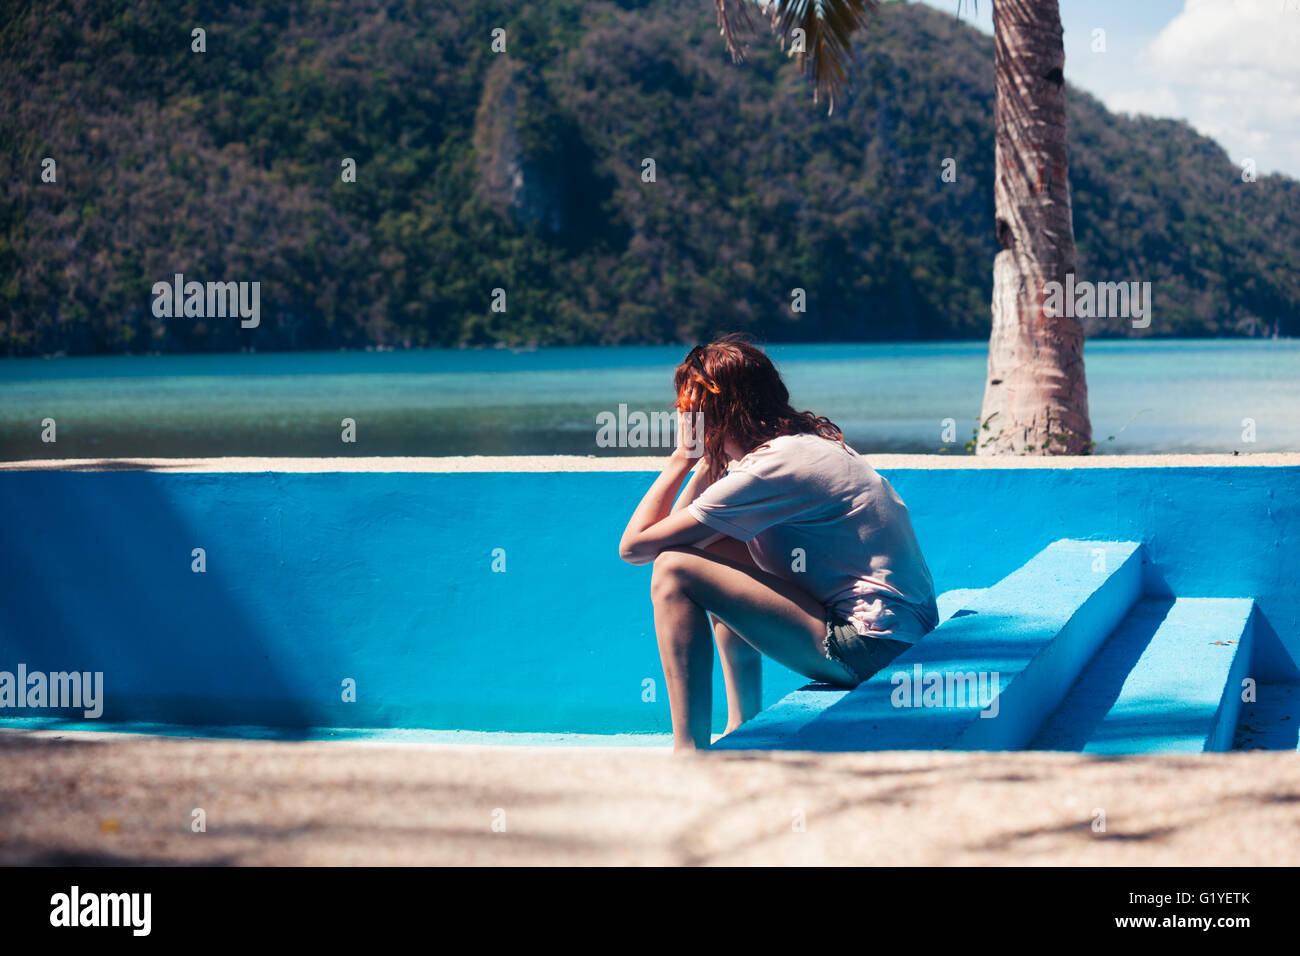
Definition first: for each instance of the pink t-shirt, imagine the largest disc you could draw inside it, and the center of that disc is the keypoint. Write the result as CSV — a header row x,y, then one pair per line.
x,y
814,512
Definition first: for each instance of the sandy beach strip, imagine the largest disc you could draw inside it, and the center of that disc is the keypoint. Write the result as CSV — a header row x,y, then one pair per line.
x,y
124,799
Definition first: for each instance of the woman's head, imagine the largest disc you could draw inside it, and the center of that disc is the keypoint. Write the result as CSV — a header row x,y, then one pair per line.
x,y
738,394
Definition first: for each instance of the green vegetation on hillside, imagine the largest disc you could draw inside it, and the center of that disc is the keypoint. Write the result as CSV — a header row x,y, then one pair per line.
x,y
523,171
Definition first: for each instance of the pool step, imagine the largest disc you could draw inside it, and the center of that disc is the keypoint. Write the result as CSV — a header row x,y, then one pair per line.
x,y
1022,641
1272,720
1168,680
774,727
950,602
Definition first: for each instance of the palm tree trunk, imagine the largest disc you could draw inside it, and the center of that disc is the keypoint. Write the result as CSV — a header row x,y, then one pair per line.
x,y
1036,397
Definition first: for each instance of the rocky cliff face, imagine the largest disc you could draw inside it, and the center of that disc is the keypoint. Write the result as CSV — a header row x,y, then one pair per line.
x,y
518,173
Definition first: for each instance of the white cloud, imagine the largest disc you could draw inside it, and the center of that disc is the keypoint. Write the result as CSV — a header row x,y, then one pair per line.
x,y
1230,68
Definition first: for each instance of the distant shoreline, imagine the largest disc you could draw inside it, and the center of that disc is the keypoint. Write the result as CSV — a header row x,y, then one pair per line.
x,y
550,347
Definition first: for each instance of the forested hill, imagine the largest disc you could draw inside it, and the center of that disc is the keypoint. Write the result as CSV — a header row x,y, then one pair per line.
x,y
478,171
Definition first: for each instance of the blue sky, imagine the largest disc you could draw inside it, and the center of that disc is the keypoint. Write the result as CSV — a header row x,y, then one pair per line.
x,y
1231,68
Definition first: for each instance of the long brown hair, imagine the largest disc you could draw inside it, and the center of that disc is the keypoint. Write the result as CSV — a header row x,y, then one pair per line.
x,y
738,392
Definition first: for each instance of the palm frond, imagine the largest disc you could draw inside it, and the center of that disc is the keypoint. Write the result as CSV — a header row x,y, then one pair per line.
x,y
828,26
734,24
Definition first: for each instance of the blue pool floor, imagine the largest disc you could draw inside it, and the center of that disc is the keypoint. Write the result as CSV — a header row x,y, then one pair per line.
x,y
401,735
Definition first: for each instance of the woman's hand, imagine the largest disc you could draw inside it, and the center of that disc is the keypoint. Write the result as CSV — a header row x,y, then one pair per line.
x,y
690,435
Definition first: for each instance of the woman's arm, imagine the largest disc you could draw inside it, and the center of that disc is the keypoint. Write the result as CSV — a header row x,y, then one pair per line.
x,y
698,482
656,524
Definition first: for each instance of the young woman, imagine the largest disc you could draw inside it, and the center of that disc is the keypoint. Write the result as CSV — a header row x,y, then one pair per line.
x,y
785,540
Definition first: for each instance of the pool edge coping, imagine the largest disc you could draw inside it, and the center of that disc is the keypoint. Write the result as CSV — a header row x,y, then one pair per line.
x,y
476,464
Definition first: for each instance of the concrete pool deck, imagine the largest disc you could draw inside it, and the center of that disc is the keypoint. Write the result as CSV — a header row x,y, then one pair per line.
x,y
108,799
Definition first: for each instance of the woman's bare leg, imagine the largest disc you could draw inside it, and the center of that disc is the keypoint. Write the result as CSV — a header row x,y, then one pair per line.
x,y
742,673
742,666
686,653
773,615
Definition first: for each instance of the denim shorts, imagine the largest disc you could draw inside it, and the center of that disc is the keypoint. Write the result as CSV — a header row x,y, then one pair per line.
x,y
861,655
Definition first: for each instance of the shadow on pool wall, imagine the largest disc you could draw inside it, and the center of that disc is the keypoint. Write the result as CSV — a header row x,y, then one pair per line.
x,y
496,601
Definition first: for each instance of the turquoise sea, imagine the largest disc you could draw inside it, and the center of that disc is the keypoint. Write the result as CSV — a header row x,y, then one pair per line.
x,y
1145,396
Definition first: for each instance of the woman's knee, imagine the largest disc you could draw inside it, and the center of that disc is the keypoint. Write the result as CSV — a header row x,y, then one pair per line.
x,y
671,573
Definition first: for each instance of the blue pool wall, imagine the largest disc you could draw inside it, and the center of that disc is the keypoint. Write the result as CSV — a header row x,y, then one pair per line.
x,y
387,579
